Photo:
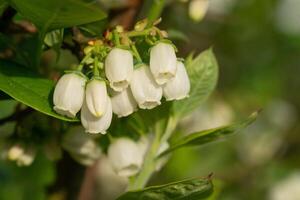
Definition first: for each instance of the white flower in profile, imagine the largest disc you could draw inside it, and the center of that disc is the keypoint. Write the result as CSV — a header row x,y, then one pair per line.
x,y
125,157
179,86
69,94
96,97
119,68
110,185
123,103
163,62
94,124
81,146
145,90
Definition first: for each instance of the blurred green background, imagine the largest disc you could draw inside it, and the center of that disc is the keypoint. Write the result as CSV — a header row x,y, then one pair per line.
x,y
257,44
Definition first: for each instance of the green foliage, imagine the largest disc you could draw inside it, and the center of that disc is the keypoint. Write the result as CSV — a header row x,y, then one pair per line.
x,y
192,189
3,5
28,88
49,15
206,136
203,73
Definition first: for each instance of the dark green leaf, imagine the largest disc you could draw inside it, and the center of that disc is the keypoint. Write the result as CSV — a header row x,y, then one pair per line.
x,y
174,34
94,29
210,135
203,73
192,189
28,88
48,15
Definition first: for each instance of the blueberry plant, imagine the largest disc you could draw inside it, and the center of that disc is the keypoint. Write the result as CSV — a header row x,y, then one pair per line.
x,y
128,90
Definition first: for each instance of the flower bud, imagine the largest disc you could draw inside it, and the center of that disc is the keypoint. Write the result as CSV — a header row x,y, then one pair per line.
x,y
96,97
125,157
119,68
198,9
15,151
123,103
179,86
145,90
94,124
69,94
163,62
82,147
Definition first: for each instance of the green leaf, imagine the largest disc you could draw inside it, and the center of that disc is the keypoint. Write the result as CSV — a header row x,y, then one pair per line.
x,y
48,15
94,29
203,73
54,38
28,88
192,189
210,135
3,5
174,34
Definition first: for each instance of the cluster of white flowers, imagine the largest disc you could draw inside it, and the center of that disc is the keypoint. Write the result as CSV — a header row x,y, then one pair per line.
x,y
132,86
23,156
125,155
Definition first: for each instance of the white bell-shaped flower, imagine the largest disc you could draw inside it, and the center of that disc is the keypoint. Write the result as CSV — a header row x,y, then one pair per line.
x,y
123,103
125,157
179,86
69,94
81,146
109,184
119,68
94,124
145,90
96,97
163,62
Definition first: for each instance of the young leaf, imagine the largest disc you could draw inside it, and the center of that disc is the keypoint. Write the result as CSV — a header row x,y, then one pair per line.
x,y
48,15
28,88
203,73
206,136
54,38
192,189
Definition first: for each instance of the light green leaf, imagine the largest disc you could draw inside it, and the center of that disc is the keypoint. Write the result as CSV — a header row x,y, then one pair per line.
x,y
54,38
48,15
210,135
192,189
203,73
28,88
